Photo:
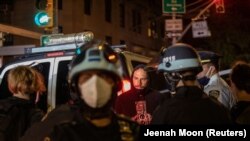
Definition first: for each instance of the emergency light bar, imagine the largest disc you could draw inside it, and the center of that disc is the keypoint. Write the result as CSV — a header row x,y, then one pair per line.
x,y
62,47
83,37
118,48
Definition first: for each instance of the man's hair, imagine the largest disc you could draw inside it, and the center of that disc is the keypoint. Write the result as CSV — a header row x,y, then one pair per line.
x,y
240,59
141,66
240,77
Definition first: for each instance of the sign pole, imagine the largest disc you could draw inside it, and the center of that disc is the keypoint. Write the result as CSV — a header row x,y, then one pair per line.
x,y
196,18
174,39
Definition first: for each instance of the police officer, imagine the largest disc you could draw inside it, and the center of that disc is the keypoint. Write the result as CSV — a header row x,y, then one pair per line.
x,y
213,84
94,79
189,105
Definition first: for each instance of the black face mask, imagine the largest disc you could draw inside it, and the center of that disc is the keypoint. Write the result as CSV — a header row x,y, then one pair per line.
x,y
203,81
172,80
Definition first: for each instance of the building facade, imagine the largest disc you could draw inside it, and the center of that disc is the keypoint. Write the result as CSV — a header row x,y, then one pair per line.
x,y
116,21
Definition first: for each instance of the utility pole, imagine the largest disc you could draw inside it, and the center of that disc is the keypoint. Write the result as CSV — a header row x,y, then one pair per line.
x,y
173,26
196,18
19,31
55,16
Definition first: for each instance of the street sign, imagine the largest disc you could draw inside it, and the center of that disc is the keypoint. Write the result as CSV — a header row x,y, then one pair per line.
x,y
173,6
172,35
173,25
200,29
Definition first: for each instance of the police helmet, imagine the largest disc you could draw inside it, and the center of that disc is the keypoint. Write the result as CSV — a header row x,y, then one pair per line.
x,y
178,58
209,57
95,55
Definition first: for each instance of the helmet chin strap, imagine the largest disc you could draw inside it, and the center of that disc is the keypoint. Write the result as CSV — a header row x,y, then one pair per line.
x,y
173,87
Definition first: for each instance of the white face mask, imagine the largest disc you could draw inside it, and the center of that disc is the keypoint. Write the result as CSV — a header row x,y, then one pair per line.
x,y
96,92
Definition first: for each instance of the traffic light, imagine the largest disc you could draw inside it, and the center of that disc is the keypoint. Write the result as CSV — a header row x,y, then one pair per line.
x,y
44,15
219,5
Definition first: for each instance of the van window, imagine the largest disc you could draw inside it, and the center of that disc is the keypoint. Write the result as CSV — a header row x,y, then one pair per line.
x,y
62,88
136,63
4,91
43,68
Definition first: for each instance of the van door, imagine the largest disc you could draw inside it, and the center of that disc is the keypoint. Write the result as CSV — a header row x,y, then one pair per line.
x,y
60,89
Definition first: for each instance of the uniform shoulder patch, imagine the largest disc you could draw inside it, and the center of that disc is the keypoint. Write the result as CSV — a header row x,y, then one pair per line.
x,y
214,94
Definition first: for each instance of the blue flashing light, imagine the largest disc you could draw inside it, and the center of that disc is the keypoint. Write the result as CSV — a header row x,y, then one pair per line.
x,y
78,51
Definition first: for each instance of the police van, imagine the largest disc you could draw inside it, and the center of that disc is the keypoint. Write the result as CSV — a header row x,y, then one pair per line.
x,y
52,61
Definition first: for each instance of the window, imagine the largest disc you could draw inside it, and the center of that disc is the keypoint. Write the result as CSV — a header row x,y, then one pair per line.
x,y
108,10
59,4
136,21
43,68
60,29
87,7
136,63
62,88
122,42
8,40
108,39
4,87
122,15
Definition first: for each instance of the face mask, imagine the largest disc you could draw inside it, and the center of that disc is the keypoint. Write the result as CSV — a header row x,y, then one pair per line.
x,y
203,81
96,92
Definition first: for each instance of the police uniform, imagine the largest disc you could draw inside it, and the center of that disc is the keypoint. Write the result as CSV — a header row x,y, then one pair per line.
x,y
217,88
189,105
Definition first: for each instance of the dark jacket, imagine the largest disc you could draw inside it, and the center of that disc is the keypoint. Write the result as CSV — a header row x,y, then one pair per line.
x,y
67,123
241,112
191,105
21,114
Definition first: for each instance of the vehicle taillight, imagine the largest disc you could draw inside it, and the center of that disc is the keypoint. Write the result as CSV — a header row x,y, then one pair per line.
x,y
126,86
